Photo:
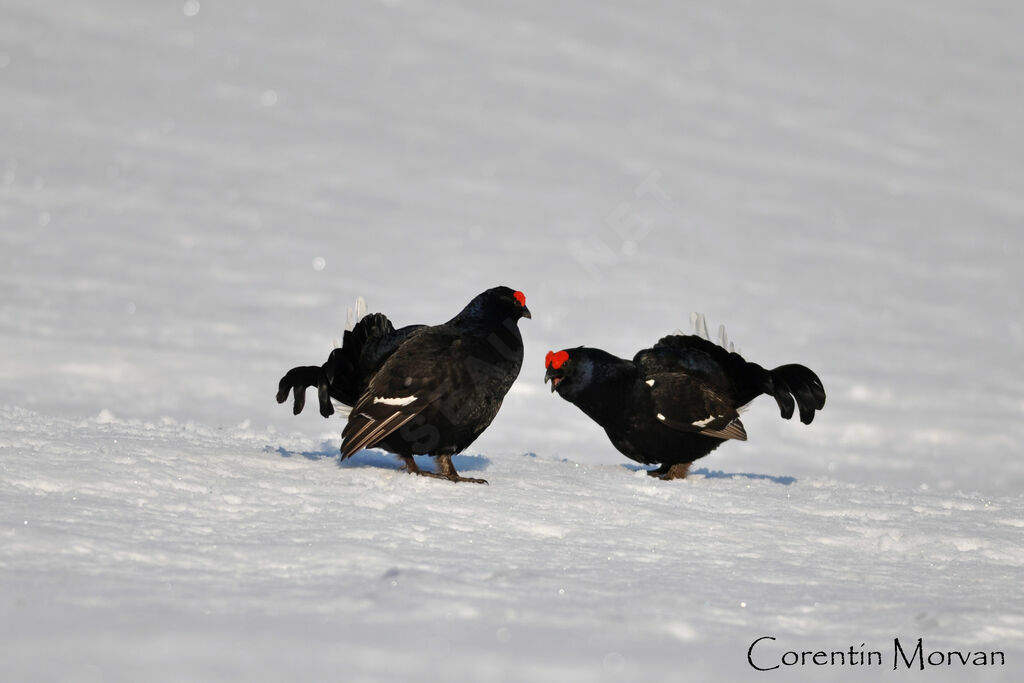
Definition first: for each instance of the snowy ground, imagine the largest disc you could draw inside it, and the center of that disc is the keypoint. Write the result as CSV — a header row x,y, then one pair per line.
x,y
192,193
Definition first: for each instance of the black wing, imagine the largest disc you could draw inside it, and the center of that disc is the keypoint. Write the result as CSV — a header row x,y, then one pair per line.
x,y
730,375
364,349
686,403
408,382
724,371
377,415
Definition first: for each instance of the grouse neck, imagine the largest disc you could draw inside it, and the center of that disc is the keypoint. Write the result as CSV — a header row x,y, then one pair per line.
x,y
479,318
608,390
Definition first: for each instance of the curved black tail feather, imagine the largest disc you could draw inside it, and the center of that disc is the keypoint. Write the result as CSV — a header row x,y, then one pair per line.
x,y
348,367
343,377
297,380
796,386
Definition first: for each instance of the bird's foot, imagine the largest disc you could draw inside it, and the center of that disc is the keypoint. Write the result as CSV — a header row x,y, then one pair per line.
x,y
666,472
446,470
410,465
456,478
471,480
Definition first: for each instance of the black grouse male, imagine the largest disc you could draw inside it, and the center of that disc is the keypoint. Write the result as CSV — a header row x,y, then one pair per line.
x,y
678,401
420,390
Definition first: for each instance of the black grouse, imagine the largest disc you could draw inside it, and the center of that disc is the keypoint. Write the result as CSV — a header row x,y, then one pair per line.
x,y
420,390
678,401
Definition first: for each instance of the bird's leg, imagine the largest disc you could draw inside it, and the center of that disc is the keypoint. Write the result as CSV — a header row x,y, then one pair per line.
x,y
660,472
410,465
666,471
446,470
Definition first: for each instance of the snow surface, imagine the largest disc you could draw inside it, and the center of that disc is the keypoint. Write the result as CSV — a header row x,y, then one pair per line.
x,y
192,194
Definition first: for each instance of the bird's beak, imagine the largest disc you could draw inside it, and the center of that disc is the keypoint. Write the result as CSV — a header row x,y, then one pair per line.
x,y
526,313
554,376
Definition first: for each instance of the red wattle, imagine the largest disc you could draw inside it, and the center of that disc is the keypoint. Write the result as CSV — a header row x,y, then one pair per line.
x,y
556,360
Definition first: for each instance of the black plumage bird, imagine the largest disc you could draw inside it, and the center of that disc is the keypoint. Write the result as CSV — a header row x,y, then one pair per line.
x,y
420,390
678,401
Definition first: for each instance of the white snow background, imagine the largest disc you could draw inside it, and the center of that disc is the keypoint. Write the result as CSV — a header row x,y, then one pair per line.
x,y
191,194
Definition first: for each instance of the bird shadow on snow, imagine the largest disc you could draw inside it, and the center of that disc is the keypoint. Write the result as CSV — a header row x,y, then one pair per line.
x,y
325,450
382,459
719,474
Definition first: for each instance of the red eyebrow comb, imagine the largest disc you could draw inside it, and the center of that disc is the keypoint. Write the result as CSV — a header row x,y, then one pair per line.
x,y
556,360
521,298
